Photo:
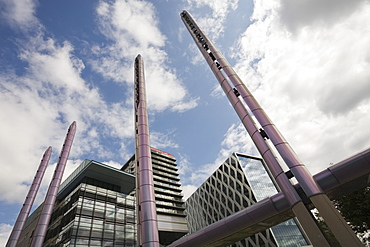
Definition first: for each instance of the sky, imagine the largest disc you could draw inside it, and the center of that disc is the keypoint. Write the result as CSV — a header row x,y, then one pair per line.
x,y
307,63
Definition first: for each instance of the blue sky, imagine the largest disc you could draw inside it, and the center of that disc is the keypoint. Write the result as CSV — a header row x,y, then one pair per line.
x,y
307,63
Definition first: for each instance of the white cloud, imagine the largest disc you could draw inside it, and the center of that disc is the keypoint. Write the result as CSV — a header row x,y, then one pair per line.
x,y
312,84
188,190
39,105
183,165
236,139
298,14
132,28
196,56
213,23
312,79
5,230
53,63
19,13
132,19
162,141
113,163
185,106
187,185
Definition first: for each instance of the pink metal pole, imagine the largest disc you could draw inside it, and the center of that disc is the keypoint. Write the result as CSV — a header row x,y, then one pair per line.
x,y
248,122
47,209
257,136
147,223
226,74
30,198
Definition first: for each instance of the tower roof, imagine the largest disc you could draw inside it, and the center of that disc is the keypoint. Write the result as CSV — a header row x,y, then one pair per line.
x,y
99,171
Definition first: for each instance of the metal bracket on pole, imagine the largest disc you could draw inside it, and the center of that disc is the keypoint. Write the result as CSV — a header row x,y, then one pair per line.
x,y
264,134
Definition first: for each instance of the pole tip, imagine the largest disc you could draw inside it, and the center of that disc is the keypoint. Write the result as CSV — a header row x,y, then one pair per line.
x,y
48,151
72,126
138,59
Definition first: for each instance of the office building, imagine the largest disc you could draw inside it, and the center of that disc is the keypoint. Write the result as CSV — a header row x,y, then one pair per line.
x,y
96,206
238,183
93,208
168,195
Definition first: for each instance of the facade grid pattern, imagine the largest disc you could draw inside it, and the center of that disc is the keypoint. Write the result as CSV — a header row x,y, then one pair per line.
x,y
93,216
230,189
288,233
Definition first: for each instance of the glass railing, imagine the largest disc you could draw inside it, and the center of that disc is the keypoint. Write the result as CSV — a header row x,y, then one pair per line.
x,y
168,191
165,169
166,174
167,180
172,211
167,185
171,204
172,167
168,197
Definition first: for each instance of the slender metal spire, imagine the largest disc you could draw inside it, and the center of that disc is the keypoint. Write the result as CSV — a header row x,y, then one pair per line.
x,y
30,198
146,208
47,208
227,77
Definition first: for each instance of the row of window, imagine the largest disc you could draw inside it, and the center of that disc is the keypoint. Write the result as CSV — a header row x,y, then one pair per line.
x,y
160,167
84,242
164,158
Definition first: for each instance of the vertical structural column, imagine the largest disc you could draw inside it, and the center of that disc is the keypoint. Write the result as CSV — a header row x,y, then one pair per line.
x,y
47,208
30,198
147,223
226,75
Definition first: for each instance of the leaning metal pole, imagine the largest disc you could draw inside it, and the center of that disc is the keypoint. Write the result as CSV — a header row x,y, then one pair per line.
x,y
30,198
47,208
226,75
258,136
146,209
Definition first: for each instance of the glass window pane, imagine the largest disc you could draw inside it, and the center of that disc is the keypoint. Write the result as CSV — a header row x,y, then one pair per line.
x,y
82,241
95,242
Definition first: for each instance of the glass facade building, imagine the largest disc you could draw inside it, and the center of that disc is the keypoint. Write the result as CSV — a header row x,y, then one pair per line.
x,y
93,216
93,208
96,204
238,183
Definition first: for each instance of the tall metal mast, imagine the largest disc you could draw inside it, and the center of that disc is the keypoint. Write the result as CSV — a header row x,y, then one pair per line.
x,y
47,208
241,98
147,233
30,198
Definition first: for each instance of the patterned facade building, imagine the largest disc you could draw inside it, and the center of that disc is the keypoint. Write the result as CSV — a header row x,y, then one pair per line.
x,y
238,183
